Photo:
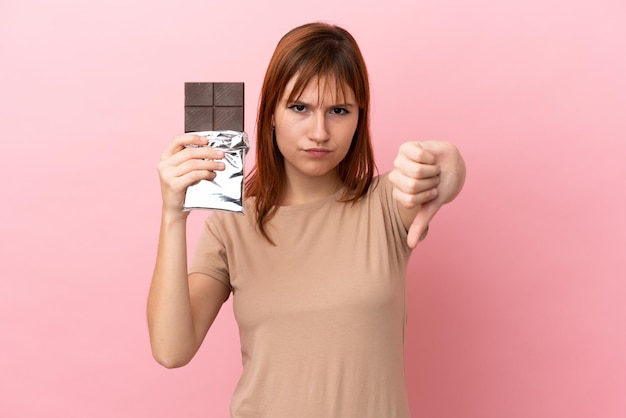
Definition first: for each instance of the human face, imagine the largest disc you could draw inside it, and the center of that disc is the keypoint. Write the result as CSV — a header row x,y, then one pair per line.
x,y
315,130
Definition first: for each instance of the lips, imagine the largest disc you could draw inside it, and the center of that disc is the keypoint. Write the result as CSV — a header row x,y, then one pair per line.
x,y
317,152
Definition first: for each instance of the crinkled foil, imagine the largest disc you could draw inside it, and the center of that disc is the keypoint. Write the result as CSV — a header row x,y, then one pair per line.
x,y
225,191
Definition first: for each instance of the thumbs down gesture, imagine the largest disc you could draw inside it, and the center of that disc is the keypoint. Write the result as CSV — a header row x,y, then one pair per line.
x,y
426,176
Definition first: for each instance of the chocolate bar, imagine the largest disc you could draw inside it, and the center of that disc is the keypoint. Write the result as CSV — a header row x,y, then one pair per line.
x,y
214,107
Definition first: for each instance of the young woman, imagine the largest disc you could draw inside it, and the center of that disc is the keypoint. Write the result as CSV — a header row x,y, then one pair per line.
x,y
317,266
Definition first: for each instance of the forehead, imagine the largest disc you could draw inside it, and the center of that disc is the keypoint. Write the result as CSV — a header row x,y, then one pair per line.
x,y
320,89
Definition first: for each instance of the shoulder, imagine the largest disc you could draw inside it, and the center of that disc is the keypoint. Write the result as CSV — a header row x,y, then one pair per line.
x,y
225,224
381,186
232,219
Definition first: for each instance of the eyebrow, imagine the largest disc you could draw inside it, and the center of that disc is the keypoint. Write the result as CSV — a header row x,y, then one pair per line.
x,y
309,105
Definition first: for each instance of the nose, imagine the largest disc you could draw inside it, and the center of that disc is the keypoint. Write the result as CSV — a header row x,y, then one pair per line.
x,y
318,129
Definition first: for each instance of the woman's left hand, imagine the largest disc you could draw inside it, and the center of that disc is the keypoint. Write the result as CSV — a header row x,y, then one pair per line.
x,y
426,175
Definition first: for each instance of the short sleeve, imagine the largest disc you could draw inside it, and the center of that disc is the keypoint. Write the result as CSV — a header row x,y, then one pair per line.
x,y
210,257
393,220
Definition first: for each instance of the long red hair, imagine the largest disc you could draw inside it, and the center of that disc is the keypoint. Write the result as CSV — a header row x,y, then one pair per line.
x,y
306,52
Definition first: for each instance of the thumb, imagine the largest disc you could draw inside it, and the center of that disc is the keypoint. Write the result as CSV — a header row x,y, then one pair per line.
x,y
421,222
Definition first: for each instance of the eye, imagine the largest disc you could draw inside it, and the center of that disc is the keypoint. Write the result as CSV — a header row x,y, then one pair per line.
x,y
339,111
298,108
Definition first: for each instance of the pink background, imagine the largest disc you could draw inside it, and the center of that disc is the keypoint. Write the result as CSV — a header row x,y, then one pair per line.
x,y
517,297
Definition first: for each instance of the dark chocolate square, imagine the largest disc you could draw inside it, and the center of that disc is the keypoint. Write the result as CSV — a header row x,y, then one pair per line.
x,y
198,119
198,94
228,94
214,106
228,118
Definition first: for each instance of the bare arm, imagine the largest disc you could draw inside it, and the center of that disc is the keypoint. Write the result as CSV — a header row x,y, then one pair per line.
x,y
180,308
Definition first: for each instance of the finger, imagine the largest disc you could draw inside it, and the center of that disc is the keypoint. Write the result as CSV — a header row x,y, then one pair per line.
x,y
197,165
198,153
410,185
178,177
436,148
414,151
421,222
195,176
182,180
179,142
413,200
416,171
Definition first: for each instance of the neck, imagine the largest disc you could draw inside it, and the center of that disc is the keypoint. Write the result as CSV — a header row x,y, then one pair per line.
x,y
304,189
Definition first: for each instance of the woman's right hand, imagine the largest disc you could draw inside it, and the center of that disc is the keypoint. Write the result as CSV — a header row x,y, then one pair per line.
x,y
182,166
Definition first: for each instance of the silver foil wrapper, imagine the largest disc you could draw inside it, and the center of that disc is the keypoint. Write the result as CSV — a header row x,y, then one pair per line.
x,y
225,191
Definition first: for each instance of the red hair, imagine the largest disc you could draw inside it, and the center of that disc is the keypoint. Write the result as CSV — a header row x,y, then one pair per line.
x,y
306,52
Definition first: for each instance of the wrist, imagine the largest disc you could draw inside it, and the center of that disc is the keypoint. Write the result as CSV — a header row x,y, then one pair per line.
x,y
173,216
